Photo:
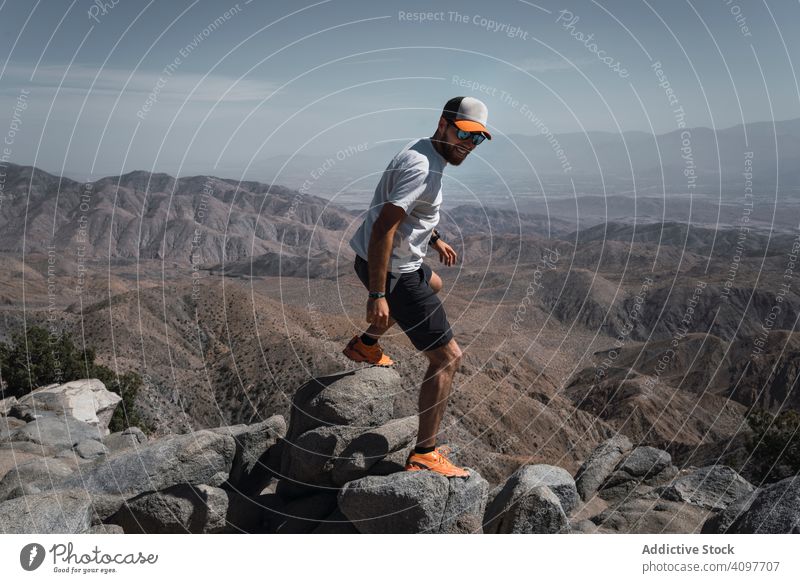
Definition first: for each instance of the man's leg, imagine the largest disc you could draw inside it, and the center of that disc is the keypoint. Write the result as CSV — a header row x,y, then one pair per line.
x,y
443,363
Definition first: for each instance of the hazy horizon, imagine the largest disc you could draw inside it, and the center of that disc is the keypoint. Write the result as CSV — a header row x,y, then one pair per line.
x,y
208,88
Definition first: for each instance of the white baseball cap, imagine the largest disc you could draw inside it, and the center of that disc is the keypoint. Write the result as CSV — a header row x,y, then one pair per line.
x,y
468,114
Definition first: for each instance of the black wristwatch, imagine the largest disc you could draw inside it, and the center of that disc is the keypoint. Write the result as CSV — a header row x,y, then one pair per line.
x,y
434,237
377,294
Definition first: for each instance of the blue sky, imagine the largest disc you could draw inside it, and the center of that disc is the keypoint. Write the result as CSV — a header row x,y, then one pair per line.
x,y
161,86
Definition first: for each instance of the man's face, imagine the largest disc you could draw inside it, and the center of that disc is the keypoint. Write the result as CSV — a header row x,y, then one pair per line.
x,y
455,151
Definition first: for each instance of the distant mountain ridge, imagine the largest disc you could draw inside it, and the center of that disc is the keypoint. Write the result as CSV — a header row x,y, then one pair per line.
x,y
207,221
611,162
197,219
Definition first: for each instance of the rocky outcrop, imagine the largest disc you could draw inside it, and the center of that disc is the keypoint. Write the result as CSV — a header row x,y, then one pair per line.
x,y
205,481
344,457
415,502
202,457
85,400
600,464
631,489
130,437
339,468
537,511
342,428
37,470
61,512
773,509
642,514
535,499
642,465
258,450
6,405
720,522
57,432
713,487
187,508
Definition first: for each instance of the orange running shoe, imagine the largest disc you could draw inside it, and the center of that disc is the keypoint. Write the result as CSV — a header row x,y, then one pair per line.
x,y
358,351
435,462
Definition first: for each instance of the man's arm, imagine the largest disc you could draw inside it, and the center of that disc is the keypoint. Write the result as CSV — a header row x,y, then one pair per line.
x,y
380,244
379,251
408,187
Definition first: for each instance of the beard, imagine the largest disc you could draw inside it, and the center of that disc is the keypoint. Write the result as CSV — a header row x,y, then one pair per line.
x,y
453,154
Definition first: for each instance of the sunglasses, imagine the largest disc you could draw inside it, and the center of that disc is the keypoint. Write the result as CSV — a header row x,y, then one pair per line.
x,y
477,138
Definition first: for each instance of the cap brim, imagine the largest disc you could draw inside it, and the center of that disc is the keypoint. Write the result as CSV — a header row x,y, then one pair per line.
x,y
472,126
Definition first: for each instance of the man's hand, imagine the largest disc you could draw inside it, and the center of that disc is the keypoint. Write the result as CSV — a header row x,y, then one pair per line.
x,y
447,254
378,312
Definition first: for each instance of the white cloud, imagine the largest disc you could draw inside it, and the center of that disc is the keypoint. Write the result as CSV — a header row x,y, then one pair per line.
x,y
174,87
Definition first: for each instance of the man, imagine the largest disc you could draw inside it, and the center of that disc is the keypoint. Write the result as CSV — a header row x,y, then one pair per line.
x,y
390,246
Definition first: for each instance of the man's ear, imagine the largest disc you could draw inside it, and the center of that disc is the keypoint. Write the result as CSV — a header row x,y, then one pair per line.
x,y
442,125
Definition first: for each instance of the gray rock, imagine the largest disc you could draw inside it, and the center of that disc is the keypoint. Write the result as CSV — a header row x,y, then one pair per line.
x,y
59,432
6,405
511,510
360,398
529,477
713,487
585,526
643,465
90,449
645,461
254,464
310,459
414,502
720,522
27,489
105,529
28,413
646,516
34,471
104,506
466,504
538,511
621,484
180,509
65,512
14,453
128,438
85,400
595,470
775,510
665,475
8,427
372,446
392,463
219,479
193,458
18,447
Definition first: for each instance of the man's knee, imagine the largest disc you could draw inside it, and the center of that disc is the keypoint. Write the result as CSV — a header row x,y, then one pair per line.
x,y
435,282
449,355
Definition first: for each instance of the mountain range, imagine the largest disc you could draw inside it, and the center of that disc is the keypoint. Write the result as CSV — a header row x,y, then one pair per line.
x,y
223,326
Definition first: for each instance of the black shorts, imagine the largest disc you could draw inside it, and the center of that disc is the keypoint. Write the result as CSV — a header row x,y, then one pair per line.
x,y
414,305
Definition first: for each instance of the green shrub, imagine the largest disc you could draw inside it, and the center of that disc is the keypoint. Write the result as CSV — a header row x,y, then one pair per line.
x,y
37,359
775,445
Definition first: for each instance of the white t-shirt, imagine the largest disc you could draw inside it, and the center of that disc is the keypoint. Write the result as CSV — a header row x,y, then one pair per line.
x,y
412,181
